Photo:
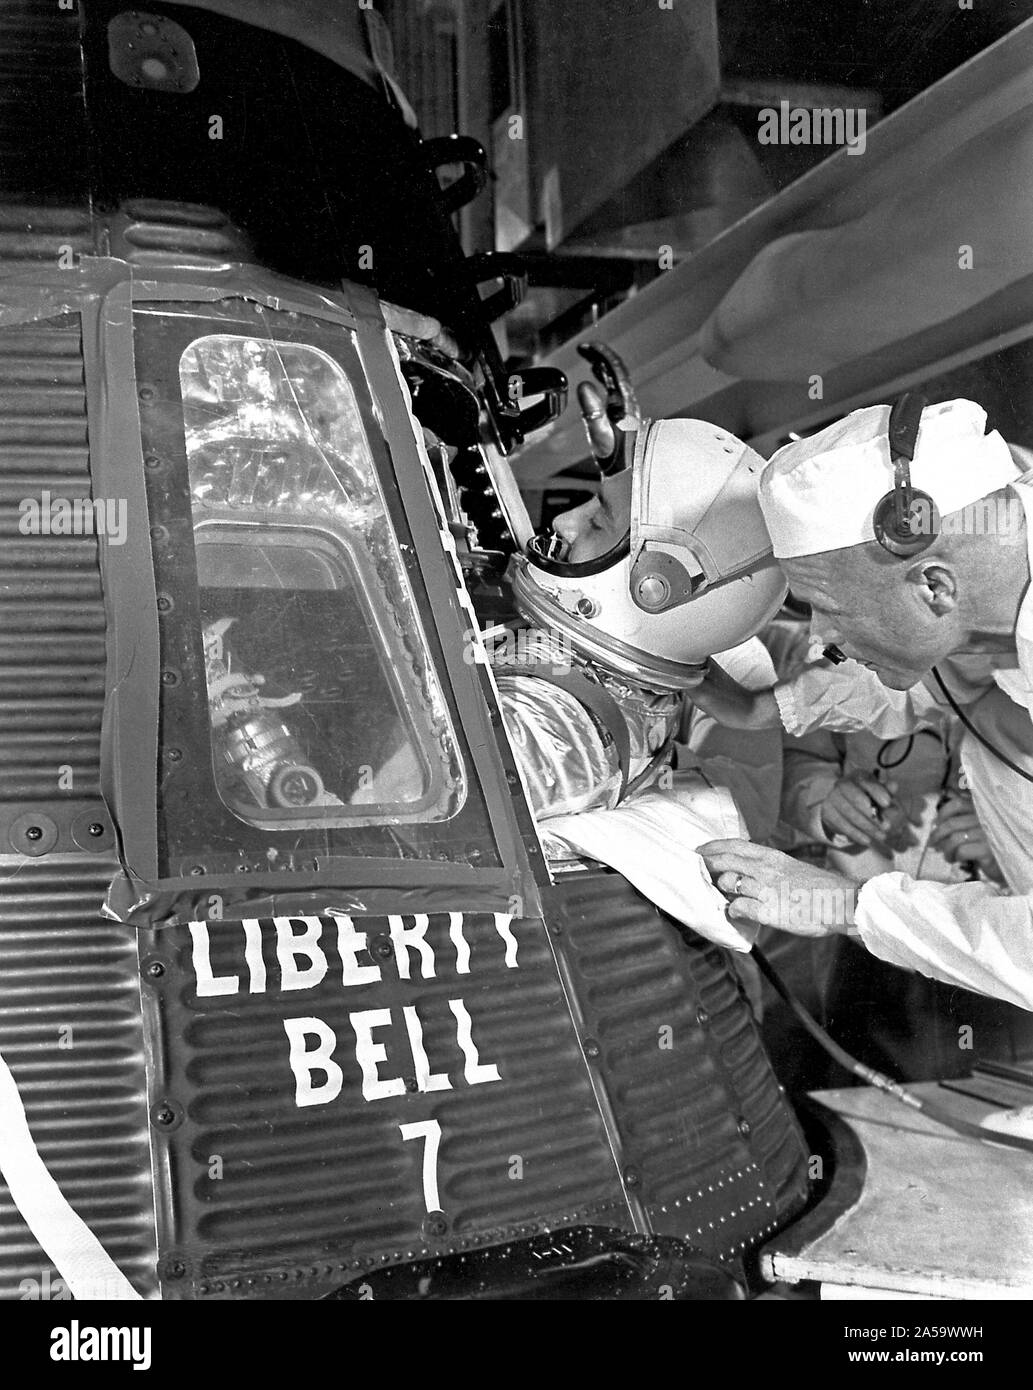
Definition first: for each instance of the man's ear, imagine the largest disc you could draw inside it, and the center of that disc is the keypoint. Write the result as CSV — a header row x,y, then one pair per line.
x,y
938,586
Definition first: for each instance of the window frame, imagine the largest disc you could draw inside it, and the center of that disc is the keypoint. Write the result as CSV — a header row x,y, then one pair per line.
x,y
151,886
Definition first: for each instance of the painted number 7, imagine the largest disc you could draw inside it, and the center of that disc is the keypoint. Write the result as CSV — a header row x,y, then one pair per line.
x,y
430,1132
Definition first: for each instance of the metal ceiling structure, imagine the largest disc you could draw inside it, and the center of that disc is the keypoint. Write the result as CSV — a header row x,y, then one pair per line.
x,y
852,273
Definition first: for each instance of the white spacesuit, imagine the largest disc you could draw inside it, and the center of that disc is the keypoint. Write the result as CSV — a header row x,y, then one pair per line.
x,y
623,604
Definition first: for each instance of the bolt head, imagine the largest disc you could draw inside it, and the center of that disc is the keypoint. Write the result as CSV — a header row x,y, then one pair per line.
x,y
653,591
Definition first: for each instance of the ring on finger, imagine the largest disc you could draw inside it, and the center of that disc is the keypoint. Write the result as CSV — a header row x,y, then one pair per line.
x,y
737,887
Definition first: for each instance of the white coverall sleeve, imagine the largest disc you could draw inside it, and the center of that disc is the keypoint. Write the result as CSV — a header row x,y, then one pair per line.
x,y
850,698
748,764
968,934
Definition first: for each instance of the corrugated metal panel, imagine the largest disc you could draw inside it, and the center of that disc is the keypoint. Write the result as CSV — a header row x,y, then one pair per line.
x,y
266,1197
714,1150
51,611
31,234
70,1026
70,1032
44,166
42,128
151,232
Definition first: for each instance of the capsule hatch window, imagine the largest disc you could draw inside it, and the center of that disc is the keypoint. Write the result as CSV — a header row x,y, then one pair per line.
x,y
323,704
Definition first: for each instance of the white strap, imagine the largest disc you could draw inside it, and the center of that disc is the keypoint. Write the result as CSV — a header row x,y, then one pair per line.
x,y
85,1266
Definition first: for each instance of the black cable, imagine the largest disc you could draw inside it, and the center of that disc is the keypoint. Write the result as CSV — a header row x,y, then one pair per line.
x,y
876,1078
880,760
973,730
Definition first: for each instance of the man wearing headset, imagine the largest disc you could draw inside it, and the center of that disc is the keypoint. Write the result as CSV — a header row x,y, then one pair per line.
x,y
908,532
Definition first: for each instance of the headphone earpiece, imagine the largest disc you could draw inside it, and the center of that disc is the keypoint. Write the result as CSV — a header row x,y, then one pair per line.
x,y
906,521
915,532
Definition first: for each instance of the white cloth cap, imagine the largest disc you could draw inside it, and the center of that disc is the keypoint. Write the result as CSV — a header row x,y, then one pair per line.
x,y
820,493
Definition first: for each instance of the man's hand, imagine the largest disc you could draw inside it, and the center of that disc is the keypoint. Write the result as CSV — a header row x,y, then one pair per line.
x,y
960,837
861,811
766,886
731,704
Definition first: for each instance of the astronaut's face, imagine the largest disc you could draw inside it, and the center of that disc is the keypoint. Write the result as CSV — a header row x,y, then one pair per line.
x,y
597,526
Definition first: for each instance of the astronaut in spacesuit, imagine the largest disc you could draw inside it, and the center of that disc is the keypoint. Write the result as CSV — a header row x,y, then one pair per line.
x,y
623,602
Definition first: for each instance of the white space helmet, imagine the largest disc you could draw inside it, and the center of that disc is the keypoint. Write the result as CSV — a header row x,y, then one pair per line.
x,y
695,574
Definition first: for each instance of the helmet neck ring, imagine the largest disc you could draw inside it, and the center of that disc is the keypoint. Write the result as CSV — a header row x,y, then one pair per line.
x,y
590,643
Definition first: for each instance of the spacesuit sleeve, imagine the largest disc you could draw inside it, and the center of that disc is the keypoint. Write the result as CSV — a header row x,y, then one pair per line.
x,y
967,934
748,764
851,699
565,765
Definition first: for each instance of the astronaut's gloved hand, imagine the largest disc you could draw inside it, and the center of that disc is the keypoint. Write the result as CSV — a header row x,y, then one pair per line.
x,y
607,419
861,811
959,835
